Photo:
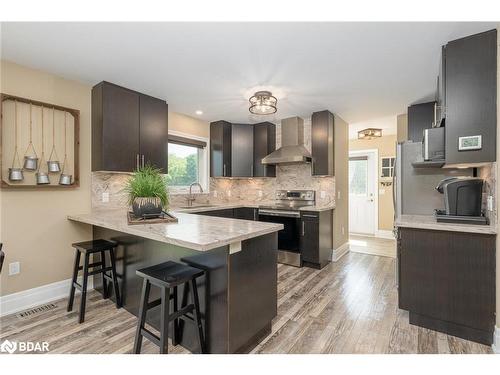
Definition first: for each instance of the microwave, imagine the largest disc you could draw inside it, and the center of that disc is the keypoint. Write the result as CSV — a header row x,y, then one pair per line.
x,y
433,144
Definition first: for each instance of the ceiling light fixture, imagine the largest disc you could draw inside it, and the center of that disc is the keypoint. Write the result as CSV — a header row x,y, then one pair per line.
x,y
263,103
199,113
369,133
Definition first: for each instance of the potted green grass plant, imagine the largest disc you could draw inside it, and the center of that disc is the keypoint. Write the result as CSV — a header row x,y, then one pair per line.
x,y
147,192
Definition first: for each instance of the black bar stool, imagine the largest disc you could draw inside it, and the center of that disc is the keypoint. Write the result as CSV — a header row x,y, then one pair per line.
x,y
88,248
167,276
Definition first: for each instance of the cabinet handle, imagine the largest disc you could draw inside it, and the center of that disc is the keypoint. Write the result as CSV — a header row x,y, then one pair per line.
x,y
224,170
303,228
137,161
254,215
307,215
143,160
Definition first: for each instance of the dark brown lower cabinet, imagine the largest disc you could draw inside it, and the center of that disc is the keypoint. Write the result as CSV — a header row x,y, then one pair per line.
x,y
447,281
316,238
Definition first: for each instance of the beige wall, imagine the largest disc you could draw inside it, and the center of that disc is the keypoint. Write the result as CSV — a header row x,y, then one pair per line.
x,y
386,146
187,124
402,122
33,224
341,212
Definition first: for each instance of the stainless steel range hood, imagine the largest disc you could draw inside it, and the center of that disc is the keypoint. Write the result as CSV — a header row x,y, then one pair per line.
x,y
292,150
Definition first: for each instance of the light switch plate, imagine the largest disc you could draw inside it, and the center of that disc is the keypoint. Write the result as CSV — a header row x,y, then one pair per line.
x,y
490,202
322,194
14,268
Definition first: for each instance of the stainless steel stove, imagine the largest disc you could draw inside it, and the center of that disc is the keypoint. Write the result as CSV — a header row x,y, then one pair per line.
x,y
286,210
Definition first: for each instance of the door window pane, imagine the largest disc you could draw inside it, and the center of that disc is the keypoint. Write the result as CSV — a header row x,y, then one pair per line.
x,y
358,177
183,165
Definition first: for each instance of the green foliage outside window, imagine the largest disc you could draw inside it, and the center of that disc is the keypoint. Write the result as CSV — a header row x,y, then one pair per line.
x,y
182,171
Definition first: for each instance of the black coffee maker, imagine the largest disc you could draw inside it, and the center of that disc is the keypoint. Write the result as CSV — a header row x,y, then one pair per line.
x,y
463,197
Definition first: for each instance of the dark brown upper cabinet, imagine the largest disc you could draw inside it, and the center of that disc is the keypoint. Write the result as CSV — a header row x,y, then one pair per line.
x,y
153,131
129,129
471,98
420,116
220,149
322,143
242,150
264,142
236,150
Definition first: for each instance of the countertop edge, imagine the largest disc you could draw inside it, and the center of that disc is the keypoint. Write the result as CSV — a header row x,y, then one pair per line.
x,y
190,245
223,206
409,223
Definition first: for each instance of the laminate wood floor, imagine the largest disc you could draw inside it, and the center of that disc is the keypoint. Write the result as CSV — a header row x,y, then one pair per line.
x,y
347,307
373,245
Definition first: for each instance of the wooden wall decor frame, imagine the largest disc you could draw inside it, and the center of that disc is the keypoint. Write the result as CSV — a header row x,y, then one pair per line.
x,y
76,146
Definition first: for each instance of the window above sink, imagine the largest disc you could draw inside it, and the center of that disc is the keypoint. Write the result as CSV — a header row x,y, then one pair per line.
x,y
187,162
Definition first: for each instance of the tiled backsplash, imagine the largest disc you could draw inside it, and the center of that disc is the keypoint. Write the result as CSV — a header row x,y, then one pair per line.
x,y
228,189
224,189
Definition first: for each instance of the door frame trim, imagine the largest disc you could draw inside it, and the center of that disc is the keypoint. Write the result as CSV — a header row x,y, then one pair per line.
x,y
369,152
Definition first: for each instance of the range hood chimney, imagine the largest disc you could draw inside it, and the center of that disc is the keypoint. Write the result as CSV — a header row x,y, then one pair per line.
x,y
292,150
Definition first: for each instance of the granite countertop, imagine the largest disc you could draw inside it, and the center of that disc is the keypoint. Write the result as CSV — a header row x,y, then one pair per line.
x,y
196,232
429,222
240,204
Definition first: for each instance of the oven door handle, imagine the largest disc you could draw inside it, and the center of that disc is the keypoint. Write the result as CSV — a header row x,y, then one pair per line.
x,y
279,213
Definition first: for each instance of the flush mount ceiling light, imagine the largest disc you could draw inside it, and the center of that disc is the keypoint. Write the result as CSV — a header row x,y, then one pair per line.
x,y
369,133
199,112
263,103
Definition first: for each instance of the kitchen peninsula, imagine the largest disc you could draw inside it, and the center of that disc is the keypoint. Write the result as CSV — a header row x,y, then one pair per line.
x,y
238,295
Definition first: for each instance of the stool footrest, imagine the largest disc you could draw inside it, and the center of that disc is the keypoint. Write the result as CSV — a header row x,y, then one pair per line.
x,y
101,270
181,312
150,336
157,302
91,265
77,286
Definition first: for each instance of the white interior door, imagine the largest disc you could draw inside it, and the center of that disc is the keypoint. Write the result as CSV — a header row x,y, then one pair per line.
x,y
362,192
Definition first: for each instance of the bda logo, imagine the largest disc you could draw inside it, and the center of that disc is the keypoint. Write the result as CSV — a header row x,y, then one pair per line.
x,y
8,347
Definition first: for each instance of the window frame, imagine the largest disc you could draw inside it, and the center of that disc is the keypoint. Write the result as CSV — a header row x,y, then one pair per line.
x,y
203,164
390,168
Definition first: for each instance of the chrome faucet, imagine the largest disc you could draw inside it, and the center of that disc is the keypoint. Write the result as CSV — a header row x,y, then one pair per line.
x,y
191,198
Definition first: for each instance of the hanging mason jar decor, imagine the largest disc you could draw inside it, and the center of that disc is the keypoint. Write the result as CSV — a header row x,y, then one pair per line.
x,y
42,178
30,160
53,164
16,173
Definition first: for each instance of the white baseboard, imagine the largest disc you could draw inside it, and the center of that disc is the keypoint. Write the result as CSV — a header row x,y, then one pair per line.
x,y
15,302
340,252
496,341
385,234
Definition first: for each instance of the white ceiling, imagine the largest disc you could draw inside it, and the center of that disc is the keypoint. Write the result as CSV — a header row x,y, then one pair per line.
x,y
361,71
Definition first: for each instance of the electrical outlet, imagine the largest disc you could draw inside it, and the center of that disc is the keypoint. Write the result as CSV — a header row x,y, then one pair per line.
x,y
322,194
338,194
14,268
105,197
343,230
490,202
259,193
229,193
215,193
